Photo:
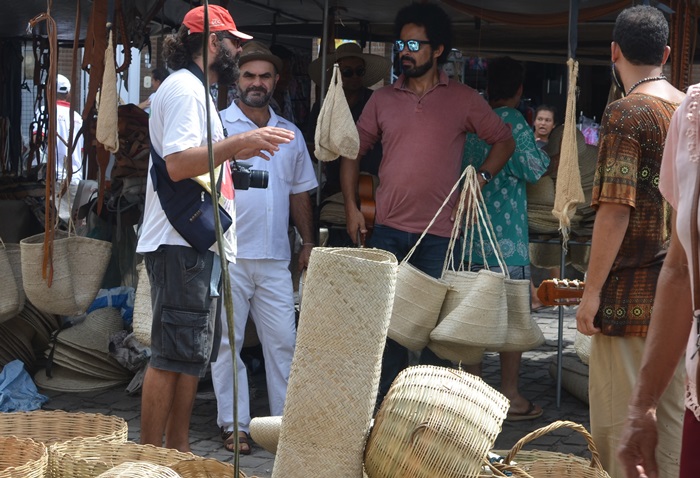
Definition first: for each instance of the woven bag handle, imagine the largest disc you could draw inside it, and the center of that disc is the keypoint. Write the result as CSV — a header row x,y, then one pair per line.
x,y
476,213
595,457
444,203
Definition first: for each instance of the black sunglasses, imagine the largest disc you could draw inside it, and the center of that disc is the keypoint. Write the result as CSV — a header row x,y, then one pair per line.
x,y
413,45
348,72
234,39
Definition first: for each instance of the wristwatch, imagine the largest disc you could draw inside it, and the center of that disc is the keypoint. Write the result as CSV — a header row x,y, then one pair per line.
x,y
486,176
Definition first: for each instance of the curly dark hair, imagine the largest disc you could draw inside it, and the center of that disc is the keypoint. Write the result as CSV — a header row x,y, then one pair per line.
x,y
642,34
180,48
437,24
506,75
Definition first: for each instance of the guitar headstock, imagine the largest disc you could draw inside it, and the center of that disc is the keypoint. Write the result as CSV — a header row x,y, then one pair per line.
x,y
553,292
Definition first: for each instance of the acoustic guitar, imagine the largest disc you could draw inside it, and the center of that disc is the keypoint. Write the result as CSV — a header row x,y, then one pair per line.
x,y
367,205
554,292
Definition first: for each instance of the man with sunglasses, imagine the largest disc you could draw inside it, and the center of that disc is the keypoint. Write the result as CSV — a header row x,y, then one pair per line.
x,y
421,121
185,283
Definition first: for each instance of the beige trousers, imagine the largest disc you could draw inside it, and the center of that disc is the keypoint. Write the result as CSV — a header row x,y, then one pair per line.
x,y
613,368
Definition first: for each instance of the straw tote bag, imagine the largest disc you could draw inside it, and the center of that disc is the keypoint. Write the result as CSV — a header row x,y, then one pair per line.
x,y
418,298
11,291
474,312
523,333
79,265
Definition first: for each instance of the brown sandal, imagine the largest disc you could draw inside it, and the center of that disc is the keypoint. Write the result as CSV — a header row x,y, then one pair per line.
x,y
243,443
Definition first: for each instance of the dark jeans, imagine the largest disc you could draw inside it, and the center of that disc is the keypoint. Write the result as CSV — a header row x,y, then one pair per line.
x,y
428,257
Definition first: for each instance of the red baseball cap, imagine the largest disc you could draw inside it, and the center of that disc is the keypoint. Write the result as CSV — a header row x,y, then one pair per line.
x,y
219,21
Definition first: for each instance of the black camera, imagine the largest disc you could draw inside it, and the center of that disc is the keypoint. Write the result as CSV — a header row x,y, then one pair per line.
x,y
246,178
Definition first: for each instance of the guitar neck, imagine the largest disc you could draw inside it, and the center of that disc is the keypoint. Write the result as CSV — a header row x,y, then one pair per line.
x,y
553,292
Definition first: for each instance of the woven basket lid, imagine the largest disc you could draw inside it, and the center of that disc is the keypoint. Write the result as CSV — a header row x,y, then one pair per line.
x,y
66,380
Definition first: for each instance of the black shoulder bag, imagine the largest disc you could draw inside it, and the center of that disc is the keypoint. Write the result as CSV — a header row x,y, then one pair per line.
x,y
187,205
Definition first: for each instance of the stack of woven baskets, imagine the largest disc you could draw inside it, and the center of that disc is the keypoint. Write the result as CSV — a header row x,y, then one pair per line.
x,y
58,444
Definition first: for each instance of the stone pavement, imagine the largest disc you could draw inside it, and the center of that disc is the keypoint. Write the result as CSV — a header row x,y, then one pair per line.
x,y
536,384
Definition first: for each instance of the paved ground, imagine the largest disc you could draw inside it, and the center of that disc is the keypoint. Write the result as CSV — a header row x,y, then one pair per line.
x,y
536,384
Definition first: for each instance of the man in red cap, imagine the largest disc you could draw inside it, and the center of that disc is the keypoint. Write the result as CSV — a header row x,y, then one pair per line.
x,y
185,282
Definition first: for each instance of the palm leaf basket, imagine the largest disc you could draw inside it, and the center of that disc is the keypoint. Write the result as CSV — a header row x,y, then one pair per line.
x,y
139,469
79,458
22,458
547,464
50,427
205,468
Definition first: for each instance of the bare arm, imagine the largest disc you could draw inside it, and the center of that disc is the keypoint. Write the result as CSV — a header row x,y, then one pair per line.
x,y
609,229
349,177
665,345
300,209
193,162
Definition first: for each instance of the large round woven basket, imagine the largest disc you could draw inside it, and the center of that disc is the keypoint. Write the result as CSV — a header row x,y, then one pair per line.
x,y
139,469
51,427
538,464
434,422
417,305
266,432
80,458
79,265
205,468
333,382
22,458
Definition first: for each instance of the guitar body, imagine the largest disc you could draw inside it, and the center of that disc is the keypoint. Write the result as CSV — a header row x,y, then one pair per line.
x,y
367,204
553,292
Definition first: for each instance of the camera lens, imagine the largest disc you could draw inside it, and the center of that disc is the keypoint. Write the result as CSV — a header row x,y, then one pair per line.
x,y
259,178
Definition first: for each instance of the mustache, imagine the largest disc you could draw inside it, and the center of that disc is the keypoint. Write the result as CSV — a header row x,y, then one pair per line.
x,y
260,89
408,58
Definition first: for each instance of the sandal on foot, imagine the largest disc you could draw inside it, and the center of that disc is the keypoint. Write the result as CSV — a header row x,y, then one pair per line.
x,y
243,443
531,413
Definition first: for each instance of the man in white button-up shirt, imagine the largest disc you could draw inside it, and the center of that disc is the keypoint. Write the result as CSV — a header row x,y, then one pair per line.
x,y
261,282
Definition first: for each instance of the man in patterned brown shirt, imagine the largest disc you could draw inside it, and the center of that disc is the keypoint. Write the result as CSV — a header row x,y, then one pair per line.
x,y
630,237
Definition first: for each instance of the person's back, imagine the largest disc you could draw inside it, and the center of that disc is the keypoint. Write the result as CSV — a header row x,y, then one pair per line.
x,y
630,237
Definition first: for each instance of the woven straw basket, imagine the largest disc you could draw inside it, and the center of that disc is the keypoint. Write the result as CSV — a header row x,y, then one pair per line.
x,y
22,458
417,305
50,427
434,422
523,333
139,469
80,458
334,376
79,265
538,464
266,432
460,354
205,468
11,291
143,310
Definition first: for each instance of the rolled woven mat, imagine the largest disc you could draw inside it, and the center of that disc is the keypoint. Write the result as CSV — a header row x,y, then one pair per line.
x,y
143,310
22,458
348,298
138,469
574,376
434,422
266,432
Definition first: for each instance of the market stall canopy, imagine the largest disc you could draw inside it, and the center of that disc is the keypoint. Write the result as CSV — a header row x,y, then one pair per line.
x,y
531,30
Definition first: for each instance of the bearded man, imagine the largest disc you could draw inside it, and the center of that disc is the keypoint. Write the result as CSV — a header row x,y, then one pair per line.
x,y
261,283
185,282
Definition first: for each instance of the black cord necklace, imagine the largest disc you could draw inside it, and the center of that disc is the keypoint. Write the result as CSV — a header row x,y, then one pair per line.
x,y
645,80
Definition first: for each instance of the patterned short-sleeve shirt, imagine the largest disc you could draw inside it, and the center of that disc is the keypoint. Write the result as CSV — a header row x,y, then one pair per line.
x,y
633,133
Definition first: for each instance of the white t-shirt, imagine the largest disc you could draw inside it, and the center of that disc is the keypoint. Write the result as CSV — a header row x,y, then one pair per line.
x,y
62,138
262,215
177,123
